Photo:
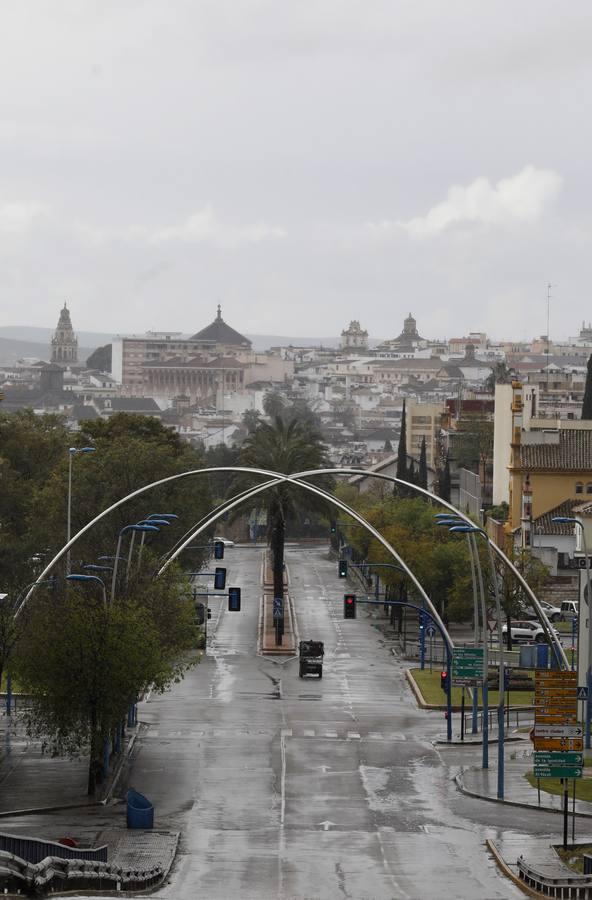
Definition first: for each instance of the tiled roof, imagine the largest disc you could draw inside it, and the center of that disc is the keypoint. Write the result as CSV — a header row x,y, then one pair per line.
x,y
544,524
573,453
221,333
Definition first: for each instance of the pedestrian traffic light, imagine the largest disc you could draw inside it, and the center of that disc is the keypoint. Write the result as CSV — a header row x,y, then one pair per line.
x,y
444,680
209,613
234,599
343,568
200,613
218,550
349,606
219,579
333,526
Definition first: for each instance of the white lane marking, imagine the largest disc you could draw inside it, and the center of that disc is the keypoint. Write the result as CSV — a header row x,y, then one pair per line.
x,y
309,732
330,734
283,780
286,732
353,735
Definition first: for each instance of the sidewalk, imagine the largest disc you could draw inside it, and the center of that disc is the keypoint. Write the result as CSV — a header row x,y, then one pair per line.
x,y
45,796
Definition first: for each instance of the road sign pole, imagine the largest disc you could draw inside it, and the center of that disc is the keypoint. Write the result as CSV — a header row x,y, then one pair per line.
x,y
422,628
449,695
485,729
565,784
475,716
462,715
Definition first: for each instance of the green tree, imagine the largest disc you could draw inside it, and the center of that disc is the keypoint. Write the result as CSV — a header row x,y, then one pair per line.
x,y
513,599
444,480
587,402
500,374
84,661
287,448
473,446
422,475
402,448
100,359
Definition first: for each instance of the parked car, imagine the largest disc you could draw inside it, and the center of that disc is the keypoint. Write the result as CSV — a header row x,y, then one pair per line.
x,y
525,631
569,610
553,613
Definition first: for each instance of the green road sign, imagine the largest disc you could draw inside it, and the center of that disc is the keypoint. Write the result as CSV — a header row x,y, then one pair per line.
x,y
557,771
558,758
467,663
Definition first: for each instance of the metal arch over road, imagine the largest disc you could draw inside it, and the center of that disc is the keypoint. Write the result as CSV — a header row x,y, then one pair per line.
x,y
279,479
295,477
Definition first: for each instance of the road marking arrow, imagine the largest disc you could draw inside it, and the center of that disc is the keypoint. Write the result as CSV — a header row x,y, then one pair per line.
x,y
327,824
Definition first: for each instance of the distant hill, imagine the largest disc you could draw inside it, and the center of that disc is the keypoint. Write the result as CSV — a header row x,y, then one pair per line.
x,y
17,341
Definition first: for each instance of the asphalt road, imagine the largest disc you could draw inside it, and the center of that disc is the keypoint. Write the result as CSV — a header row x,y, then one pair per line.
x,y
288,788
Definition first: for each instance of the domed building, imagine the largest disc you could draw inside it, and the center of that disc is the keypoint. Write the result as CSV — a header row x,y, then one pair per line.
x,y
406,343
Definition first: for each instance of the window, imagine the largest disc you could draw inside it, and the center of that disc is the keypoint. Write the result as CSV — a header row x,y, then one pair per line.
x,y
589,487
579,487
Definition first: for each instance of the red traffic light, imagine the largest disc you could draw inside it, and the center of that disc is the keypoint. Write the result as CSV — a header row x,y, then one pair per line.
x,y
349,606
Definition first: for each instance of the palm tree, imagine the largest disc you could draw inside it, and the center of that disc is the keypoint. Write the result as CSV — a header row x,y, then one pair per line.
x,y
286,447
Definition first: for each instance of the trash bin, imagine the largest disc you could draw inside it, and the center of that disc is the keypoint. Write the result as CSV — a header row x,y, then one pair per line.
x,y
140,812
542,656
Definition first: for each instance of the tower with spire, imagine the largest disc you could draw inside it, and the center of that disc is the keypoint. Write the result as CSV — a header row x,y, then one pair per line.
x,y
64,343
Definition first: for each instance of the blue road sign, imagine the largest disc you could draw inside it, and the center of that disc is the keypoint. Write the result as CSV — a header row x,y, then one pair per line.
x,y
431,630
278,607
582,693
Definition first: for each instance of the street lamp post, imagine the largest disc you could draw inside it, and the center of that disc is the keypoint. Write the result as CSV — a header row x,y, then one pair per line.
x,y
117,556
467,529
564,520
447,519
152,519
72,451
86,578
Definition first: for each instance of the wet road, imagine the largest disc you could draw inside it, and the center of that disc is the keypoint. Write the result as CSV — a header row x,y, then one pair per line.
x,y
332,788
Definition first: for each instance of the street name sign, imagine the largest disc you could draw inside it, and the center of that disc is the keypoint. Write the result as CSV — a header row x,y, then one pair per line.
x,y
557,771
564,731
555,719
558,759
467,665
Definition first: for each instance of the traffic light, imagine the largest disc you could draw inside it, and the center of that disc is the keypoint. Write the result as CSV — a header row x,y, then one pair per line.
x,y
209,613
200,613
218,550
219,579
234,599
349,606
444,681
333,526
343,568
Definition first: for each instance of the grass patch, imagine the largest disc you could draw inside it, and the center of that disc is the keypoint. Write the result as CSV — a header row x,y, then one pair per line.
x,y
554,786
429,685
574,858
563,627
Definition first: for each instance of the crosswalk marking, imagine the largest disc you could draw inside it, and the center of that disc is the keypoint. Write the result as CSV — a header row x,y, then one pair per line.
x,y
286,732
353,735
330,734
309,732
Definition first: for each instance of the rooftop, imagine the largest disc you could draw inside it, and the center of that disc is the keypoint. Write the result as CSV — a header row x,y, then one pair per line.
x,y
571,451
221,333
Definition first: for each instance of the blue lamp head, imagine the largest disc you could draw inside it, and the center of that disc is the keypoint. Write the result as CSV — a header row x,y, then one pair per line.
x,y
563,520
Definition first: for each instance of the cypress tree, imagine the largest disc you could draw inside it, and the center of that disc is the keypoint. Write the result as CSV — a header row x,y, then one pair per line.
x,y
422,475
444,481
587,404
402,448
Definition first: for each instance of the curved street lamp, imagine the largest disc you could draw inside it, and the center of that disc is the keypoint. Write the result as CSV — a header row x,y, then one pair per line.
x,y
117,557
87,578
72,452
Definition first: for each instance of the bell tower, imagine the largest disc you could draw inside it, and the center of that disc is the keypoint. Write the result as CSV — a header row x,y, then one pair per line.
x,y
64,343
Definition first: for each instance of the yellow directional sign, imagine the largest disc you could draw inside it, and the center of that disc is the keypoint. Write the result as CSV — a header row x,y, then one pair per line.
x,y
562,744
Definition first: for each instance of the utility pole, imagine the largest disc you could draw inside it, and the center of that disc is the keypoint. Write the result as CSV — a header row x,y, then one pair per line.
x,y
548,329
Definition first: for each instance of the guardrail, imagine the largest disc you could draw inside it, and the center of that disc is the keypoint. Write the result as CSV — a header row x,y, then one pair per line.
x,y
555,880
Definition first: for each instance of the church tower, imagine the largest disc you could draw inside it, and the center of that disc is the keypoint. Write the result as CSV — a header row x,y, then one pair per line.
x,y
64,343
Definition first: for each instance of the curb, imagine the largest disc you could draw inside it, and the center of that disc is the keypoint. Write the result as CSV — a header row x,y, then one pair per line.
x,y
504,867
519,804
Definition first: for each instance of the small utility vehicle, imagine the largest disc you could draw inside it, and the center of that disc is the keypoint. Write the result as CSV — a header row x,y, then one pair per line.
x,y
311,658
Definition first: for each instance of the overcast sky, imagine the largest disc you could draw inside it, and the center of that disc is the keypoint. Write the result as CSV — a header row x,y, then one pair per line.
x,y
302,162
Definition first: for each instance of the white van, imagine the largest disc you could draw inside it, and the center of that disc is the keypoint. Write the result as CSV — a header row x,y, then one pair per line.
x,y
569,610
